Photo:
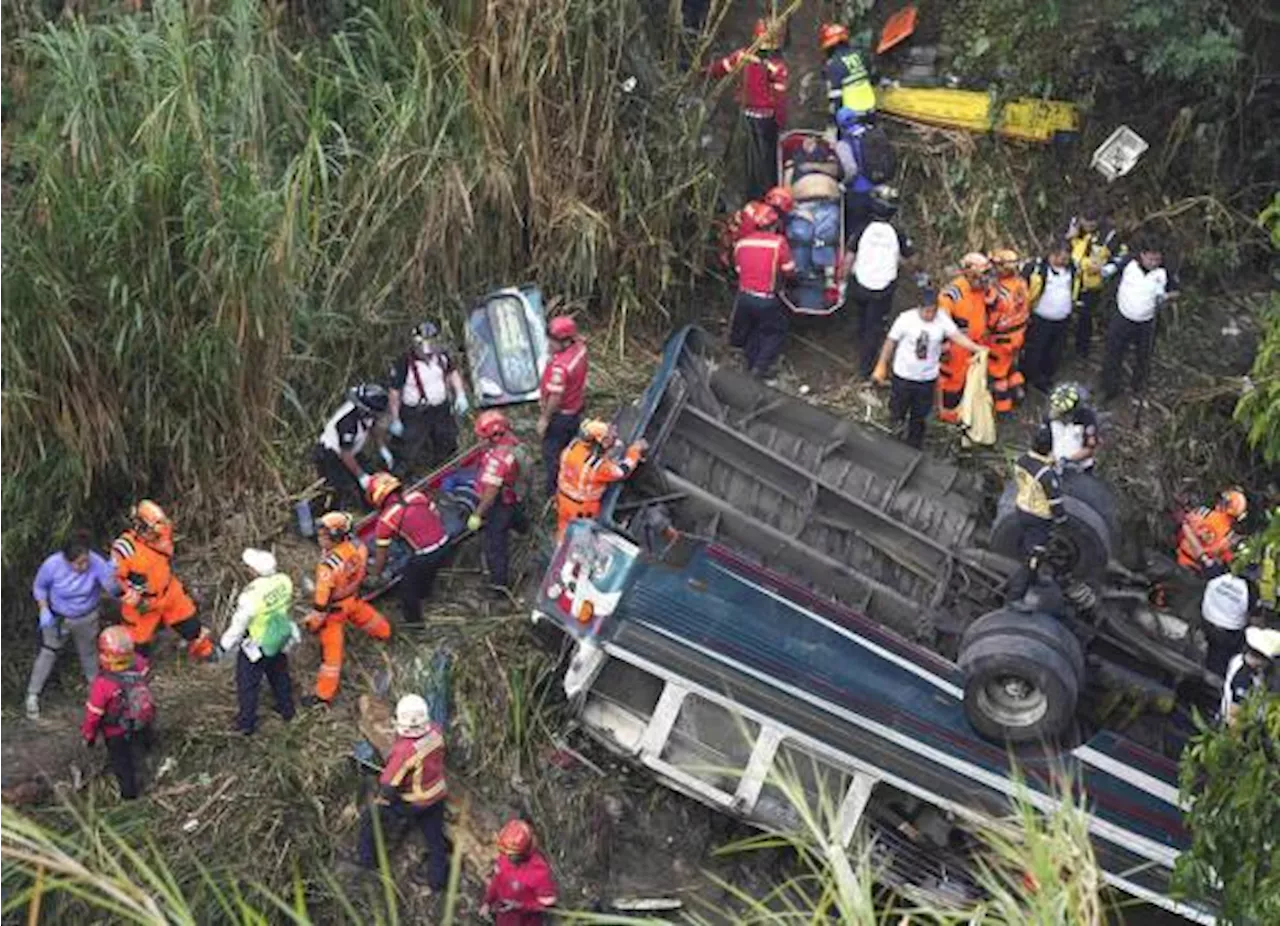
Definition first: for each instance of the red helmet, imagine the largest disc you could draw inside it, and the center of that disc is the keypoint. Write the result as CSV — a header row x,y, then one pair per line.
x,y
832,34
115,648
763,33
562,328
491,423
515,839
780,198
765,216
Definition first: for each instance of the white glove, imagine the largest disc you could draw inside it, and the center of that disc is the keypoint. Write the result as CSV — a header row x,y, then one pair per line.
x,y
363,479
396,428
461,405
295,637
387,458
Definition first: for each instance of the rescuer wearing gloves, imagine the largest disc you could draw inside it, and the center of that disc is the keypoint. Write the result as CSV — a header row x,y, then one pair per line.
x,y
587,470
497,482
1249,671
338,577
67,589
521,888
344,436
426,396
151,594
1207,537
1040,509
264,633
411,516
411,786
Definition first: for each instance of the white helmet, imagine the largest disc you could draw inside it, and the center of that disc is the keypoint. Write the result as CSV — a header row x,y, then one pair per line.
x,y
260,561
412,716
1263,641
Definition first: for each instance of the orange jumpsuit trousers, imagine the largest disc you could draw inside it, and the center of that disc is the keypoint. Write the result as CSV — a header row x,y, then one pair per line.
x,y
967,306
361,614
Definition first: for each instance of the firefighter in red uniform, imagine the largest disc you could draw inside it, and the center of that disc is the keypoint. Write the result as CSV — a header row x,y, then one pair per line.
x,y
411,517
736,227
759,326
764,103
1006,331
562,394
497,480
522,887
587,470
966,300
412,787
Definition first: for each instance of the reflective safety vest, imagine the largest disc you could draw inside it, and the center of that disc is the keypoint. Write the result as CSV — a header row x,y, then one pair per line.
x,y
849,82
1039,491
1214,530
270,598
340,573
415,768
585,473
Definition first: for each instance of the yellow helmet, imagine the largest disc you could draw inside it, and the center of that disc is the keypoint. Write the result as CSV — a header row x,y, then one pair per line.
x,y
380,486
1004,257
337,524
148,515
595,430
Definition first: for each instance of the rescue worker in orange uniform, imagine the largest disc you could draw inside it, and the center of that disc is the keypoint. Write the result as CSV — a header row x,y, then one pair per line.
x,y
1207,537
965,299
338,576
151,594
764,103
1006,331
587,470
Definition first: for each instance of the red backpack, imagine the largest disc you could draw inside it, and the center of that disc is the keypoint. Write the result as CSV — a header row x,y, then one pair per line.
x,y
132,706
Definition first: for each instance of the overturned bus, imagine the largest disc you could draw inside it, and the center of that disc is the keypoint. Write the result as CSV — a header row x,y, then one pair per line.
x,y
782,595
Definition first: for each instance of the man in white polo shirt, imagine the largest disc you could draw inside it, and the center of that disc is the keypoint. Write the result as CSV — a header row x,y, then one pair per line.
x,y
1144,288
1050,294
914,345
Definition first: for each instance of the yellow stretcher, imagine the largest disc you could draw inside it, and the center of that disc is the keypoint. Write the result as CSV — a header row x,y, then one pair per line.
x,y
1026,119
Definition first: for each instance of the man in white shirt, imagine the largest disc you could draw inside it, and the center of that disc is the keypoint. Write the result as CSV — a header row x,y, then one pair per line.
x,y
914,346
1051,286
876,254
1144,288
425,396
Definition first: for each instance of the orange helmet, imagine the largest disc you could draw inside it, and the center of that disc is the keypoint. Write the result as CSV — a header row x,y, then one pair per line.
x,y
337,524
380,486
491,423
115,648
780,198
1233,502
975,262
763,33
515,839
595,430
832,34
562,328
1004,256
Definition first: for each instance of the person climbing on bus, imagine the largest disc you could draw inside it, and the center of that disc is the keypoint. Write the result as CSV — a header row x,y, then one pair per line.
x,y
848,79
1074,425
588,468
1007,314
1038,499
965,299
151,595
521,888
763,97
341,570
1207,536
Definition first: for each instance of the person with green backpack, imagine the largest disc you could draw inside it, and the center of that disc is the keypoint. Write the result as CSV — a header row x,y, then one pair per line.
x,y
264,631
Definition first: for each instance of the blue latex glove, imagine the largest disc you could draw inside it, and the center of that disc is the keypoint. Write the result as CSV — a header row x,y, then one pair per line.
x,y
396,428
474,522
47,618
387,458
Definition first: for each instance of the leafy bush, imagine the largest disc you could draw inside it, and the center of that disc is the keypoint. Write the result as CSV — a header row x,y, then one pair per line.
x,y
1259,408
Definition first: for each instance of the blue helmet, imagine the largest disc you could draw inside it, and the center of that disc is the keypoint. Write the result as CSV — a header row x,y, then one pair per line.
x,y
847,119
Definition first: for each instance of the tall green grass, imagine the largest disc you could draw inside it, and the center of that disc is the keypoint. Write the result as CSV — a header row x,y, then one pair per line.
x,y
227,223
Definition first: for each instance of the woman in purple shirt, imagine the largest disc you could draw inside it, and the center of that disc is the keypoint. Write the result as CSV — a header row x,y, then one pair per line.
x,y
67,590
